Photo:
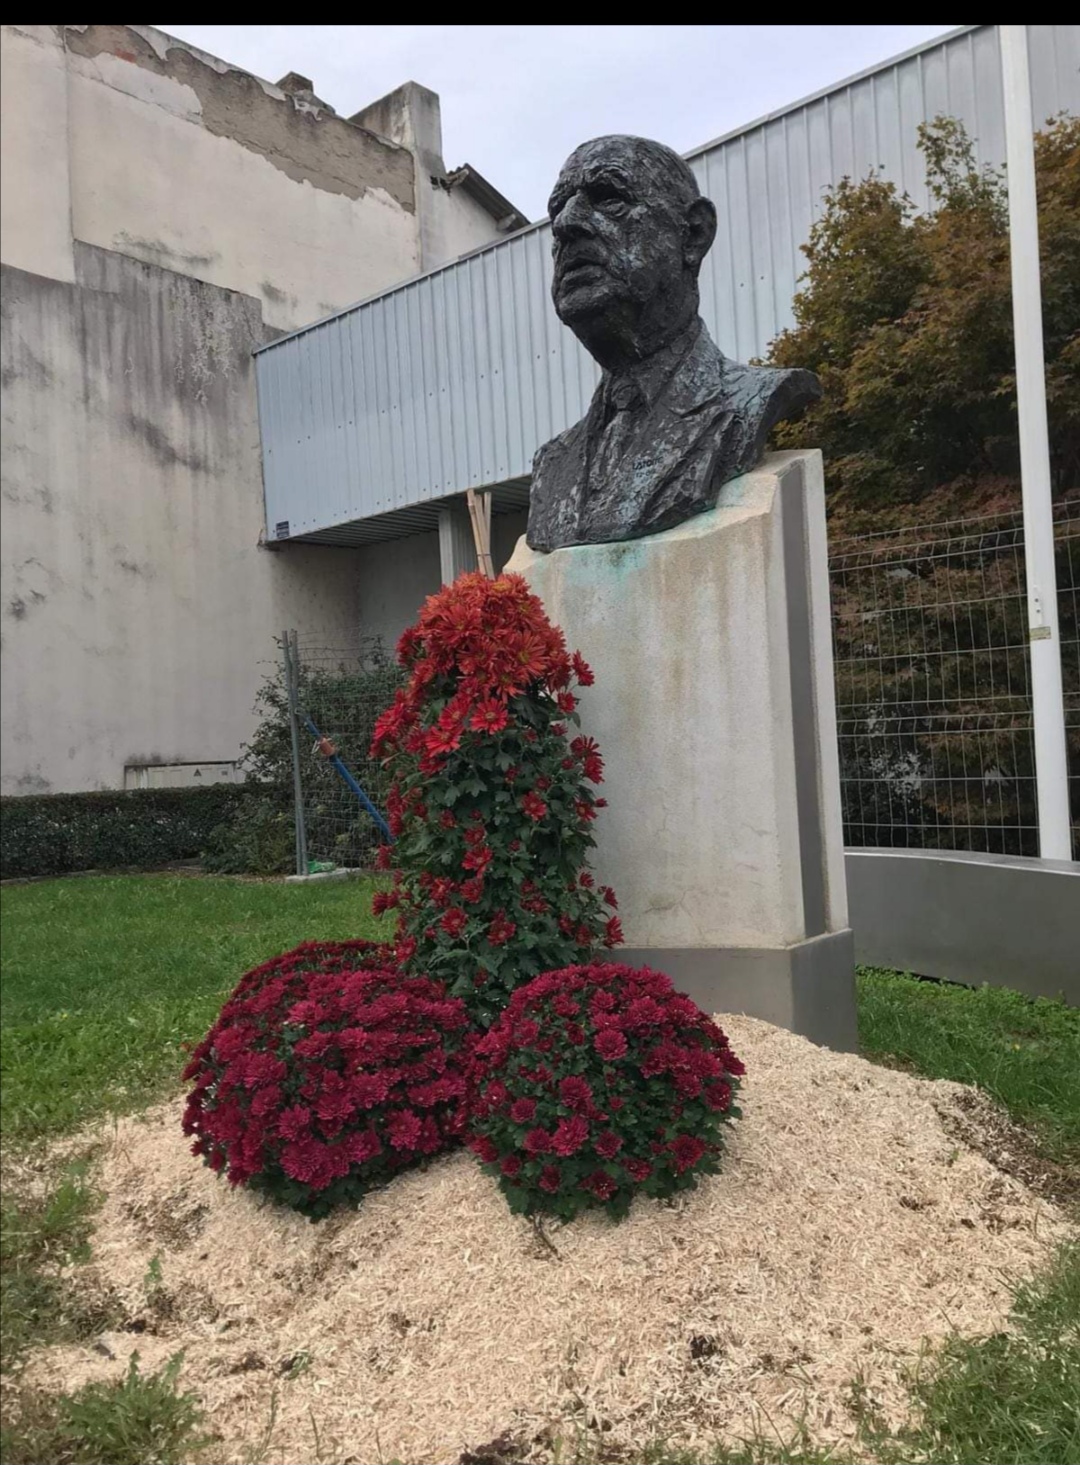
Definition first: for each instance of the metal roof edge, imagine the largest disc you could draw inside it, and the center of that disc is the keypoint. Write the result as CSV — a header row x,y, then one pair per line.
x,y
726,137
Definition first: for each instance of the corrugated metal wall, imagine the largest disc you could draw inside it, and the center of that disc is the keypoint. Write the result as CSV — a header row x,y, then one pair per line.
x,y
453,379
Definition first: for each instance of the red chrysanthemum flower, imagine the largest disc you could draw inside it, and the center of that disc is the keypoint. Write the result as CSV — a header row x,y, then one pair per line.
x,y
454,921
533,805
489,716
582,670
613,932
686,1150
601,1184
570,1134
326,1072
575,1092
610,1043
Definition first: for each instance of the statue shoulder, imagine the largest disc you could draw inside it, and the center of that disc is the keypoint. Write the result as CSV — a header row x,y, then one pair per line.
x,y
771,392
558,448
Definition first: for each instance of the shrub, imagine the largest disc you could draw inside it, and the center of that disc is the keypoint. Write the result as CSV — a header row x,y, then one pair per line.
x,y
344,700
596,1084
55,834
326,1072
490,803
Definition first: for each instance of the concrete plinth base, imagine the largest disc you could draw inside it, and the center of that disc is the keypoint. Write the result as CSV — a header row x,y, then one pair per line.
x,y
713,707
808,987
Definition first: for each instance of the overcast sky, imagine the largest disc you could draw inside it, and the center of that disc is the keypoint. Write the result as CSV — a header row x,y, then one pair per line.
x,y
517,98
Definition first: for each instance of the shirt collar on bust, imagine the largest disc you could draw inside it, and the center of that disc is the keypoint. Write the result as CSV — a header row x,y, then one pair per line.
x,y
643,383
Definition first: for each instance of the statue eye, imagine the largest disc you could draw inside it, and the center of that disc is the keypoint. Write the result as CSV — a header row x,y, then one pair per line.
x,y
610,202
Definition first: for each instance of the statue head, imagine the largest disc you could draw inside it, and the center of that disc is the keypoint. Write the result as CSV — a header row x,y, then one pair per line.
x,y
630,230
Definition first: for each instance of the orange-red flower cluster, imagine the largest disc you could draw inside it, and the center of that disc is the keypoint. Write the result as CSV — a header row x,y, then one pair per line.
x,y
482,642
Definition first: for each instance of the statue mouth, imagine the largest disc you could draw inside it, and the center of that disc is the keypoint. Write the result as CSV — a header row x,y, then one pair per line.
x,y
579,271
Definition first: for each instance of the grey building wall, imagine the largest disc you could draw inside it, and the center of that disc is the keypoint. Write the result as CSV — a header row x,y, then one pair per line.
x,y
138,607
395,576
163,214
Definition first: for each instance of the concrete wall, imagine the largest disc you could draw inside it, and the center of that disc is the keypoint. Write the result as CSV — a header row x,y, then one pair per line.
x,y
163,214
450,223
395,576
139,609
1000,919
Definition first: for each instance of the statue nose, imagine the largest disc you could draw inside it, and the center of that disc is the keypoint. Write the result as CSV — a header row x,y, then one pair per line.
x,y
573,218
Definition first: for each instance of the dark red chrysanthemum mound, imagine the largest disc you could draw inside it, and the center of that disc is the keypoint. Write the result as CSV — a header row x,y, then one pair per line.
x,y
327,1071
491,805
599,1083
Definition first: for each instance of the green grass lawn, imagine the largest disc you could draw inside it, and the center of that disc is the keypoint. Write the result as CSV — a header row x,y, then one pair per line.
x,y
1024,1053
106,978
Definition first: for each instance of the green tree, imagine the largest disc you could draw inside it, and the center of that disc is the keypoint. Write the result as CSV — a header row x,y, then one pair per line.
x,y
907,319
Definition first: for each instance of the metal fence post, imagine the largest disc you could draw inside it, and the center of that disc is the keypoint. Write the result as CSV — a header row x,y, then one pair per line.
x,y
292,674
1048,706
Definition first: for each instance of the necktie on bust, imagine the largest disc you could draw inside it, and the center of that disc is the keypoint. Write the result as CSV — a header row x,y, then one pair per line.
x,y
623,401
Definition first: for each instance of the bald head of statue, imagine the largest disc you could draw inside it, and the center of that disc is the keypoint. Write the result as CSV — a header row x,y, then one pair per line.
x,y
630,230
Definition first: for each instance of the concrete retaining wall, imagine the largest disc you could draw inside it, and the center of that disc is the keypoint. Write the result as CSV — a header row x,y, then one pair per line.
x,y
1000,919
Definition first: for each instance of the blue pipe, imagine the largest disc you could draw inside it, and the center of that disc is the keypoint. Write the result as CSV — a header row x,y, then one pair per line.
x,y
350,781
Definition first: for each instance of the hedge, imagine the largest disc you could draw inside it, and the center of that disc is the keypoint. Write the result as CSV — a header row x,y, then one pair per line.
x,y
54,834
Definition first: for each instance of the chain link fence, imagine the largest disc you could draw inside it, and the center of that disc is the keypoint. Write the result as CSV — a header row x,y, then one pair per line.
x,y
335,695
933,683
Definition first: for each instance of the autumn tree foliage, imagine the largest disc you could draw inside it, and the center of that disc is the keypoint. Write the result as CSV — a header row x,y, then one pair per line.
x,y
907,319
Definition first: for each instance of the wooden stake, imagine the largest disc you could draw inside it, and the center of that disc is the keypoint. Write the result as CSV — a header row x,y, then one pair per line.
x,y
480,515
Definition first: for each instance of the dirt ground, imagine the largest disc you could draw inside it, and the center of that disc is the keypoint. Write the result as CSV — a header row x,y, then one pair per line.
x,y
853,1224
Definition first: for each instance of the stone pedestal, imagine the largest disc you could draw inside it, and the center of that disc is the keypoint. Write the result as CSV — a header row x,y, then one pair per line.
x,y
714,711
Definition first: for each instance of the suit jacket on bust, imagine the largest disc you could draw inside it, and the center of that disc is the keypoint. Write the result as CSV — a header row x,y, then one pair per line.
x,y
658,443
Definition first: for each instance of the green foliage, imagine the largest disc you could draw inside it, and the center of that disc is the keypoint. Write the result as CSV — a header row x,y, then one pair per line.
x,y
140,1419
52,834
907,319
1024,1052
344,703
107,977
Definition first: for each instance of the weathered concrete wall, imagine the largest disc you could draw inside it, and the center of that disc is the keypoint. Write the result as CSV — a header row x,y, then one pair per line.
x,y
207,171
35,199
138,609
163,214
395,578
714,708
449,222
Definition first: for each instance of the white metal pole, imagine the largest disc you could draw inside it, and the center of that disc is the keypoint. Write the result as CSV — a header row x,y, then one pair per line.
x,y
1048,707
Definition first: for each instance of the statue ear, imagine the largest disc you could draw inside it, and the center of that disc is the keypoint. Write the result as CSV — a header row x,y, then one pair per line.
x,y
700,231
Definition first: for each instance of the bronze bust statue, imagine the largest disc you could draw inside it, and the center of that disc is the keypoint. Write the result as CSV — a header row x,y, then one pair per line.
x,y
672,419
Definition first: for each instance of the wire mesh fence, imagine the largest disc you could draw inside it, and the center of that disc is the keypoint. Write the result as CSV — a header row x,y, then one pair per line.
x,y
933,684
933,693
339,691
